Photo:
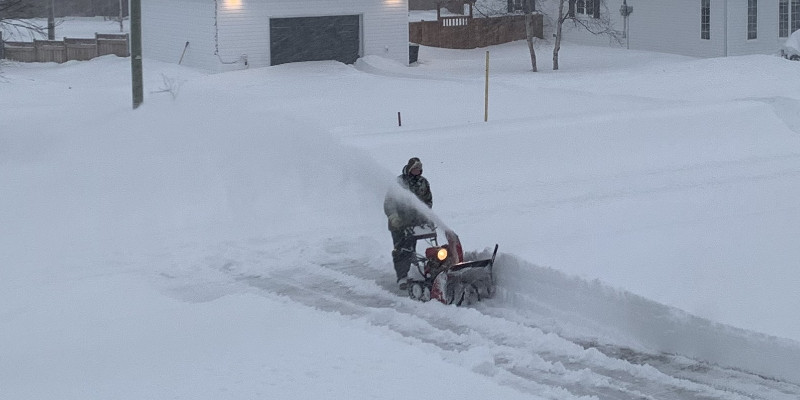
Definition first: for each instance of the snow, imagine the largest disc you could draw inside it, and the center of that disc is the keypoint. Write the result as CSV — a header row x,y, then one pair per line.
x,y
792,45
226,239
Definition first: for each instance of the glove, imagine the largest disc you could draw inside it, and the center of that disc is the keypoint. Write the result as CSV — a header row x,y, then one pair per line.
x,y
395,222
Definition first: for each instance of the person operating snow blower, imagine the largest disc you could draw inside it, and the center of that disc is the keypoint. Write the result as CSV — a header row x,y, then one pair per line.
x,y
402,215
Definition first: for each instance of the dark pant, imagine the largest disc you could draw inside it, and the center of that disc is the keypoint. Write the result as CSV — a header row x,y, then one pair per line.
x,y
405,247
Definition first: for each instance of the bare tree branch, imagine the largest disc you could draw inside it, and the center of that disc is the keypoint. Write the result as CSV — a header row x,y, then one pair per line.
x,y
598,24
14,14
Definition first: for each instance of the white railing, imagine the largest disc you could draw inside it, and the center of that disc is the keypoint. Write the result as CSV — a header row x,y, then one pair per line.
x,y
454,21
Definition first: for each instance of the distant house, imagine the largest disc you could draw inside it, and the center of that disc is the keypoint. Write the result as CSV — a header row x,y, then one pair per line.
x,y
223,35
454,6
701,28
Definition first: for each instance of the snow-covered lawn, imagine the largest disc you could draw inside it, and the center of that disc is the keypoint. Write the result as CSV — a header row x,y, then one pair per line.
x,y
229,242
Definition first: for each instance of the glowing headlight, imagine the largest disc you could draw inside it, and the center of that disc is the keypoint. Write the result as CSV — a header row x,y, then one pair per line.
x,y
442,254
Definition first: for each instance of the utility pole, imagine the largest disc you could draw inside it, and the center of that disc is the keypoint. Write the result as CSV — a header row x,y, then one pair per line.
x,y
136,53
51,20
121,16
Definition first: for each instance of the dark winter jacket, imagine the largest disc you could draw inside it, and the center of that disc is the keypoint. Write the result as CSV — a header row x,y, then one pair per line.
x,y
409,216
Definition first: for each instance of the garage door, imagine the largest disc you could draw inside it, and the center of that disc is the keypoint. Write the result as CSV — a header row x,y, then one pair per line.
x,y
314,39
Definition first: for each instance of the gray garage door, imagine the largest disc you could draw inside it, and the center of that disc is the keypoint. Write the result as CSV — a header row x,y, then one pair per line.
x,y
314,39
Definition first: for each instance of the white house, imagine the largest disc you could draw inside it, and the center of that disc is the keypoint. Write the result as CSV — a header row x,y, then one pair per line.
x,y
223,35
701,28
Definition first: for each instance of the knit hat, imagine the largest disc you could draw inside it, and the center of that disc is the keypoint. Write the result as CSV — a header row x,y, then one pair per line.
x,y
413,162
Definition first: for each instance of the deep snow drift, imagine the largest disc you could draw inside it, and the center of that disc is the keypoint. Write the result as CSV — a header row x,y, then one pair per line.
x,y
226,240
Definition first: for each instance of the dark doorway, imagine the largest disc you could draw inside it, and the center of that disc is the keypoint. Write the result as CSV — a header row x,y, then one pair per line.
x,y
314,39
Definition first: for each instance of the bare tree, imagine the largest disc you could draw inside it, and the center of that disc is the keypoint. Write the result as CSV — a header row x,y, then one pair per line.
x,y
11,19
14,14
599,23
120,13
529,37
489,8
559,24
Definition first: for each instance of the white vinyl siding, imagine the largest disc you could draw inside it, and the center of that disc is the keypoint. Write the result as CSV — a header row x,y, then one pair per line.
x,y
239,30
245,30
766,23
168,25
676,26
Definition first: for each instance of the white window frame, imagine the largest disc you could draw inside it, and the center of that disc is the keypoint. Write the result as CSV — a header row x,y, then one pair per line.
x,y
705,19
585,7
783,18
794,16
752,19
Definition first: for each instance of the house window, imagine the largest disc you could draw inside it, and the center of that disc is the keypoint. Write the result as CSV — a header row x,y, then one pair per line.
x,y
788,17
525,6
705,19
783,18
795,16
588,7
752,19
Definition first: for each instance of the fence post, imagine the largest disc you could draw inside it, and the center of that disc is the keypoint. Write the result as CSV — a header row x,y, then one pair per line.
x,y
486,91
2,46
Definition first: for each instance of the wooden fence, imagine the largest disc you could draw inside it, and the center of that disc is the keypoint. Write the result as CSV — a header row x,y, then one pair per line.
x,y
60,51
469,33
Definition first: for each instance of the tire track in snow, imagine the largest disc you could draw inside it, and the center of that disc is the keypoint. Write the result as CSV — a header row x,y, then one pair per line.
x,y
513,351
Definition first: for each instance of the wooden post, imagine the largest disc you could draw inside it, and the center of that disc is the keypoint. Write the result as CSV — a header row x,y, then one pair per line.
x,y
399,121
184,52
136,53
486,91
